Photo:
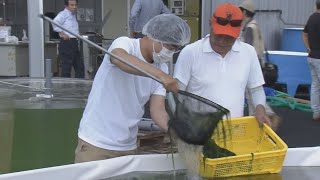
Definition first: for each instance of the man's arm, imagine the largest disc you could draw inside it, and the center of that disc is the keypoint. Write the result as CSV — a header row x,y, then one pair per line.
x,y
306,40
158,112
59,19
135,10
259,101
164,9
182,86
168,82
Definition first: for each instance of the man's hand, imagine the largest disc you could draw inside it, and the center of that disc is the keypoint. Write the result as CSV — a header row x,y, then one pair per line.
x,y
261,116
170,83
64,36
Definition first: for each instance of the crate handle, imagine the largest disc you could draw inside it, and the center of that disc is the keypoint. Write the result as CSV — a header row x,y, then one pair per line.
x,y
274,142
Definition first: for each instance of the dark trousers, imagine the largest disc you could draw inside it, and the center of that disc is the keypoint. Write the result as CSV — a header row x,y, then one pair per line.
x,y
70,57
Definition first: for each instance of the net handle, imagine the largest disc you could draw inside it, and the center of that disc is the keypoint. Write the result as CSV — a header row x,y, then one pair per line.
x,y
100,48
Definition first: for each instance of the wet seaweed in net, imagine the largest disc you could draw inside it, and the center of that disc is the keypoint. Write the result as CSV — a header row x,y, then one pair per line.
x,y
220,143
194,121
194,118
212,150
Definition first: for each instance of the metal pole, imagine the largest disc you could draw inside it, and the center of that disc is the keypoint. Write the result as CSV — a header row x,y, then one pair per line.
x,y
171,67
102,49
4,12
128,16
48,83
36,39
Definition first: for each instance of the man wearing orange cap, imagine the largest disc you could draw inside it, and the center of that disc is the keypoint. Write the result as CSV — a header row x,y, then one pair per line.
x,y
220,67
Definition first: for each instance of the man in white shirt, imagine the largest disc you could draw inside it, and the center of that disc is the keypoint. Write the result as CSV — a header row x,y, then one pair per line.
x,y
219,67
109,124
68,47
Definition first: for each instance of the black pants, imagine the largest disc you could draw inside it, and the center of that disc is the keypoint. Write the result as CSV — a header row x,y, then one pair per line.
x,y
70,57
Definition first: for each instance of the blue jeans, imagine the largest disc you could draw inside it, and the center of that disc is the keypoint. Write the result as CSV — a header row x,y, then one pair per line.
x,y
314,65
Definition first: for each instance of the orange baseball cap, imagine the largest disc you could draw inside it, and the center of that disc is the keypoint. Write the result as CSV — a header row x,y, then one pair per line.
x,y
226,20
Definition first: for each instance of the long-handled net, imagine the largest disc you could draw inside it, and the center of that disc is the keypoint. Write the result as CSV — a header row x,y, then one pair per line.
x,y
193,122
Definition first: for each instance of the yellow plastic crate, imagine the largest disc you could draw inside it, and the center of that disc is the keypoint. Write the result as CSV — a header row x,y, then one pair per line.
x,y
258,150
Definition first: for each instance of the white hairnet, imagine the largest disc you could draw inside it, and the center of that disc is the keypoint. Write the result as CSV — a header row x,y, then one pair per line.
x,y
169,29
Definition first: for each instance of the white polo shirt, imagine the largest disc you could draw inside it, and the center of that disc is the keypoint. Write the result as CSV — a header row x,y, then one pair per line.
x,y
116,102
222,80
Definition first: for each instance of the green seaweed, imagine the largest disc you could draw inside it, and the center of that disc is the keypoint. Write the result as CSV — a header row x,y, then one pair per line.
x,y
212,150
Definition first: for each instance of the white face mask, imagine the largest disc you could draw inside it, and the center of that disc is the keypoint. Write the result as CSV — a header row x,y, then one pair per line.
x,y
163,56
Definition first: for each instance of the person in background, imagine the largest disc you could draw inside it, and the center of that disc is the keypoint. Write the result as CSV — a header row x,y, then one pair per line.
x,y
141,12
252,35
109,125
311,39
69,46
220,67
251,32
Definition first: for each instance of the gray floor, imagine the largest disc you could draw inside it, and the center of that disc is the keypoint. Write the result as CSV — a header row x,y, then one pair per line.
x,y
303,173
298,129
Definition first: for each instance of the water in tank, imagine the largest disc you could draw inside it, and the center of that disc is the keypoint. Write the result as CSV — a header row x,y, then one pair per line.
x,y
35,131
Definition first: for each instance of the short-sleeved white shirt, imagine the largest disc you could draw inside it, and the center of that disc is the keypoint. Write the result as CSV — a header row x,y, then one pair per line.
x,y
222,80
116,102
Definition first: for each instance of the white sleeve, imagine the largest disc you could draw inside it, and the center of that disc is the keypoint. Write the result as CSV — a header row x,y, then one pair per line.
x,y
258,96
255,77
183,66
124,43
59,19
